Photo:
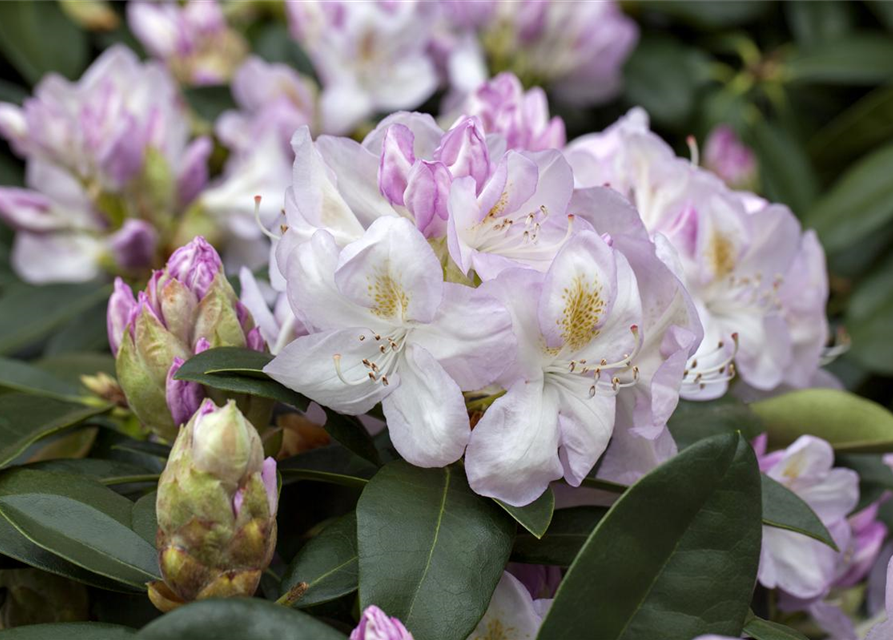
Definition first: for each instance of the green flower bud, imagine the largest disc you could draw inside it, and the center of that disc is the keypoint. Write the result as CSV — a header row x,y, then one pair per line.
x,y
216,508
186,308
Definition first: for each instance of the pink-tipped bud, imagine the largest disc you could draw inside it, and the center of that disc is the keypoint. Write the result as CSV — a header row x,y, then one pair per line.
x,y
195,265
376,625
463,149
397,158
120,309
183,397
134,245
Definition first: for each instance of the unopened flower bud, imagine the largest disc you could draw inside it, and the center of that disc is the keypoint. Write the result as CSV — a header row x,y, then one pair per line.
x,y
186,308
376,625
463,149
730,159
216,506
133,245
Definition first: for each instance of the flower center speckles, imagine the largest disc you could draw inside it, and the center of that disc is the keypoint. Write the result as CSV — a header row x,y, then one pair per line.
x,y
390,300
499,207
583,307
720,255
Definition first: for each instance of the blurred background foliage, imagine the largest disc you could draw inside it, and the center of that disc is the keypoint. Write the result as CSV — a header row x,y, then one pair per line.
x,y
806,84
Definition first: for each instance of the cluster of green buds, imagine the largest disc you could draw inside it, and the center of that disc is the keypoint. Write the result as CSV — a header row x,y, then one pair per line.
x,y
216,506
186,308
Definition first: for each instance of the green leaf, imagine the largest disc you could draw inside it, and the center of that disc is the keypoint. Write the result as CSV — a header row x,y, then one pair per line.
x,y
11,92
662,75
695,421
663,563
87,332
144,521
242,618
536,516
850,423
70,631
568,532
79,520
39,38
784,509
104,471
333,464
883,9
28,313
708,15
760,629
239,371
786,172
875,477
814,23
71,366
862,58
275,44
15,545
328,564
210,101
427,545
25,419
21,376
869,314
859,203
866,123
351,433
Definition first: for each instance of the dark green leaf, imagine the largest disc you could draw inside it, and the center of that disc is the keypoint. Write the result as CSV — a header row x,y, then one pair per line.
x,y
209,102
79,520
875,477
25,419
39,38
883,9
536,516
70,631
814,23
10,92
143,518
87,332
858,204
327,564
866,123
239,371
760,629
71,366
333,464
785,170
242,618
694,421
864,58
868,319
570,528
662,562
104,471
28,312
850,423
427,545
783,509
15,545
275,44
709,15
21,376
12,174
662,75
351,433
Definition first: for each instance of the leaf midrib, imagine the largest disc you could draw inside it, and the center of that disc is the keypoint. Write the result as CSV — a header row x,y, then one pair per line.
x,y
446,488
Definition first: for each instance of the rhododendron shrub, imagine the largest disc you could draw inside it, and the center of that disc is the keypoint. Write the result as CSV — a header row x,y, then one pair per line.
x,y
445,320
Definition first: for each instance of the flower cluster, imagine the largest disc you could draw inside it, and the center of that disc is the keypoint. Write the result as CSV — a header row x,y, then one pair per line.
x,y
423,264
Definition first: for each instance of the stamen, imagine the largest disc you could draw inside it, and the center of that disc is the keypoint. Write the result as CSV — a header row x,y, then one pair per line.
x,y
693,150
260,225
355,383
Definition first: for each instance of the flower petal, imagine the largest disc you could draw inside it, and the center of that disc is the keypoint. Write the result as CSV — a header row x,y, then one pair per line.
x,y
426,413
307,365
513,452
392,271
